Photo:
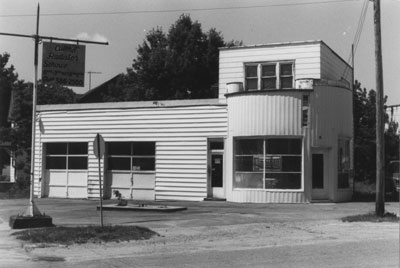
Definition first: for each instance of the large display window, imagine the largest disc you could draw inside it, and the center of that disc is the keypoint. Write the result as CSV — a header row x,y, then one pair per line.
x,y
268,163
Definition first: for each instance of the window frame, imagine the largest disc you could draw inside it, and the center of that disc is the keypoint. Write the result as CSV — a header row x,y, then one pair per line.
x,y
67,155
264,170
278,75
132,156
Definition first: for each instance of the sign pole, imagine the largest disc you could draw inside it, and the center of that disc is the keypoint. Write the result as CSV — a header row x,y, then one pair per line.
x,y
33,209
101,194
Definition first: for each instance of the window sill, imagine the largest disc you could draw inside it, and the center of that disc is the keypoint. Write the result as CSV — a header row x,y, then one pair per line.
x,y
269,190
265,91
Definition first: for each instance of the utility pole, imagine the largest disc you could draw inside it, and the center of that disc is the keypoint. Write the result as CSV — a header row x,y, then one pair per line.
x,y
380,146
90,78
35,217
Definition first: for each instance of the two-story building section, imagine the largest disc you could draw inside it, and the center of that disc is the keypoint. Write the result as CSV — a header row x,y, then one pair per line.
x,y
280,131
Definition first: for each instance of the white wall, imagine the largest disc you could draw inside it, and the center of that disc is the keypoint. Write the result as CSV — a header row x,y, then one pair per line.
x,y
179,128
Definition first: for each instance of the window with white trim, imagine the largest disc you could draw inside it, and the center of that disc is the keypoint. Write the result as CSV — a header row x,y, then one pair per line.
x,y
269,75
343,163
71,155
270,163
133,156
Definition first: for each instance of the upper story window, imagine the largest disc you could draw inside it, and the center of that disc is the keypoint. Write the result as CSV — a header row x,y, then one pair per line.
x,y
269,75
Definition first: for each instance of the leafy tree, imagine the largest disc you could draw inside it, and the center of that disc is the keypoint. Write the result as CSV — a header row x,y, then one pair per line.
x,y
19,135
182,64
8,78
365,135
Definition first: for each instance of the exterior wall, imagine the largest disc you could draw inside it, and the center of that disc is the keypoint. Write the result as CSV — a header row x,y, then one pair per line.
x,y
331,118
180,130
307,57
333,67
265,113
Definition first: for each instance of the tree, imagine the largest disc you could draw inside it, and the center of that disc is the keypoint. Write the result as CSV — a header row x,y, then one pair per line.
x,y
19,135
182,64
8,78
364,135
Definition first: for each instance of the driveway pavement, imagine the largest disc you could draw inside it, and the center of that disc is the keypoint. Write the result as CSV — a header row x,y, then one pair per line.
x,y
213,233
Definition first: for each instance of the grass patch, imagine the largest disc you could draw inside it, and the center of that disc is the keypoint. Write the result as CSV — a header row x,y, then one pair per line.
x,y
85,234
371,217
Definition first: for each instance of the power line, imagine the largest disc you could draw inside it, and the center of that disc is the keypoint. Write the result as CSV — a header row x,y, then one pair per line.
x,y
177,10
357,35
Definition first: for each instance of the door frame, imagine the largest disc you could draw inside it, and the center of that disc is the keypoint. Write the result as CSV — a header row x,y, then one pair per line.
x,y
323,193
215,192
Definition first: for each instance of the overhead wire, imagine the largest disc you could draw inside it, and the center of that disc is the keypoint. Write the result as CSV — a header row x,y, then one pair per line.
x,y
176,10
357,35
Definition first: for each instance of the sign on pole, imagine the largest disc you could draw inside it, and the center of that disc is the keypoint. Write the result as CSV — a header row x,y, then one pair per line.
x,y
98,148
63,64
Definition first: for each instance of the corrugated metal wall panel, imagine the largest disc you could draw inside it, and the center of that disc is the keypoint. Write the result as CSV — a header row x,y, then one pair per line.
x,y
265,113
180,134
252,196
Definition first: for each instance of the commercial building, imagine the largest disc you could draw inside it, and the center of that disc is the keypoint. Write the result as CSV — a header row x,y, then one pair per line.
x,y
280,131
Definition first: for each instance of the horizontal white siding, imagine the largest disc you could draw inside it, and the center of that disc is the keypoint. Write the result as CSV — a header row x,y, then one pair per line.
x,y
180,134
333,67
265,113
231,62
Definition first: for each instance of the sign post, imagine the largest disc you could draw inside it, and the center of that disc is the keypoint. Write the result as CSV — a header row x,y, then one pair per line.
x,y
98,148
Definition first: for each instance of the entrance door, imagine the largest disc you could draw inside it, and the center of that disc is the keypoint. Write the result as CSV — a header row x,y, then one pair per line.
x,y
216,170
319,178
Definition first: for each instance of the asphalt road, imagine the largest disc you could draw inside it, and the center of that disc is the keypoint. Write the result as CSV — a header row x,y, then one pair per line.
x,y
211,234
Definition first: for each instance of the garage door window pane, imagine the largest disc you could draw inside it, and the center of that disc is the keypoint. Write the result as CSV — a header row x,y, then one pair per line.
x,y
78,148
56,148
56,162
144,148
119,163
119,148
147,164
79,162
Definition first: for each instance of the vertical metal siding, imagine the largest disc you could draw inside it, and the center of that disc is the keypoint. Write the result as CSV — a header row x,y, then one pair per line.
x,y
262,114
180,134
266,113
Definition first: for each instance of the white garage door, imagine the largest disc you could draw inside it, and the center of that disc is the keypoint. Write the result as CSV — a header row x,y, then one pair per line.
x,y
66,170
131,170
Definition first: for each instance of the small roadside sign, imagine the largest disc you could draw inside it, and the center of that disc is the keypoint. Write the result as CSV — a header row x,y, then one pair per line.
x,y
63,64
98,146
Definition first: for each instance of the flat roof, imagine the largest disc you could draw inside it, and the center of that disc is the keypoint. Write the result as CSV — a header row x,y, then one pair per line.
x,y
130,105
293,43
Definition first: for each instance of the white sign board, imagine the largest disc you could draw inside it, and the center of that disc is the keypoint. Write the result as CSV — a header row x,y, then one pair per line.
x,y
63,64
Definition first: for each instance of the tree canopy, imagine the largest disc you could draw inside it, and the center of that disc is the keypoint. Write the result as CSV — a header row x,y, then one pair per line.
x,y
365,135
180,64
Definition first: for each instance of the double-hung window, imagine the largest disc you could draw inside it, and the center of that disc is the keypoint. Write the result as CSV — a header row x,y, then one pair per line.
x,y
269,75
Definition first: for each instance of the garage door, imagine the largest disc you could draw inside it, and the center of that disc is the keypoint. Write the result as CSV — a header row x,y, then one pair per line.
x,y
66,170
131,170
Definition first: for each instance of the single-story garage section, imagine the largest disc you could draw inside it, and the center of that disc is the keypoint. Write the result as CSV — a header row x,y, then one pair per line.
x,y
280,131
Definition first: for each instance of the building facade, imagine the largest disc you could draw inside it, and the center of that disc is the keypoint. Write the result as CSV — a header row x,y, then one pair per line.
x,y
280,131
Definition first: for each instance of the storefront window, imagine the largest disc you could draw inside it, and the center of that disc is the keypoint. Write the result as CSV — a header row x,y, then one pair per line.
x,y
343,163
134,156
271,163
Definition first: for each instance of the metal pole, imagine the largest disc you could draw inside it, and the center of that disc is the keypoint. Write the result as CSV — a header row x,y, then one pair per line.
x,y
101,194
33,210
380,155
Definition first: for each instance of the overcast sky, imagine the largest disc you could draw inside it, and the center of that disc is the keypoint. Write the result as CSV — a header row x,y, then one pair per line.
x,y
124,23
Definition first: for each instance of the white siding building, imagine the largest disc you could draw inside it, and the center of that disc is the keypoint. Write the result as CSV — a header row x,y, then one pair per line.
x,y
283,135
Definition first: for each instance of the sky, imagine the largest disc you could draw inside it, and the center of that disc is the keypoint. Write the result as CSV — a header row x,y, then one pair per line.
x,y
124,24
